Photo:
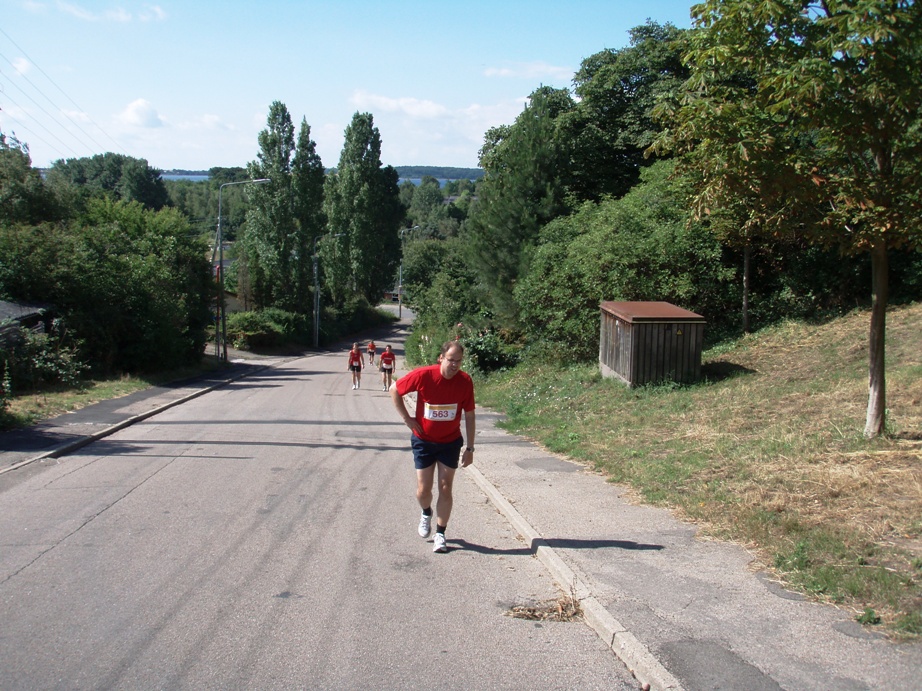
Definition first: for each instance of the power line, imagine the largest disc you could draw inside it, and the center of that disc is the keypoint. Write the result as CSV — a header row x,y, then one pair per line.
x,y
41,125
64,93
31,134
38,105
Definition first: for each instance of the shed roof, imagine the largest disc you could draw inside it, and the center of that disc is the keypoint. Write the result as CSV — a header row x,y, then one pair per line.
x,y
632,312
19,310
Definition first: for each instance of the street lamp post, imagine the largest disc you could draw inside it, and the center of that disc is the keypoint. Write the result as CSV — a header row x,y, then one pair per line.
x,y
222,316
403,233
317,289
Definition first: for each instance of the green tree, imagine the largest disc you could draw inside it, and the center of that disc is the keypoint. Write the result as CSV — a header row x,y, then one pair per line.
x,y
308,179
427,209
285,215
131,283
111,175
442,291
23,196
613,122
362,203
524,188
221,175
638,247
829,127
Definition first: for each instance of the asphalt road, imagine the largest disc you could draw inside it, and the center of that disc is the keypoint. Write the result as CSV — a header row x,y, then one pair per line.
x,y
263,536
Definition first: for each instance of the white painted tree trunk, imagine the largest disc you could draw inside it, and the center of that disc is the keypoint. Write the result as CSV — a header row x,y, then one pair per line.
x,y
877,381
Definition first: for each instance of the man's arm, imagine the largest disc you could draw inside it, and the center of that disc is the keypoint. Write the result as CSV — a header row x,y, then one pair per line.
x,y
401,407
470,426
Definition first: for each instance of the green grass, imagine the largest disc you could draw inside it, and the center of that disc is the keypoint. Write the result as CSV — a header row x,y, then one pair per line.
x,y
28,408
768,451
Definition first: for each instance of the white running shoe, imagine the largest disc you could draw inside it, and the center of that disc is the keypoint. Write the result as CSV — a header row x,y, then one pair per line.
x,y
425,525
438,543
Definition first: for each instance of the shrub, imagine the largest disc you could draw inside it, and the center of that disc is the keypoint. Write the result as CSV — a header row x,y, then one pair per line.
x,y
269,328
131,282
39,360
488,353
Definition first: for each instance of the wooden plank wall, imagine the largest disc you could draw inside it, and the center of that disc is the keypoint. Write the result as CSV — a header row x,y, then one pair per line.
x,y
647,352
667,351
615,347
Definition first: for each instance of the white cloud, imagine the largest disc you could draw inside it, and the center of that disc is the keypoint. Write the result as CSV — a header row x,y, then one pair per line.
x,y
214,122
206,123
21,65
118,14
531,71
76,11
419,132
140,113
75,115
152,13
414,107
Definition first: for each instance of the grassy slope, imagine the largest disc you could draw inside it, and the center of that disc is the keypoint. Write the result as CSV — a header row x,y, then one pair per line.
x,y
767,451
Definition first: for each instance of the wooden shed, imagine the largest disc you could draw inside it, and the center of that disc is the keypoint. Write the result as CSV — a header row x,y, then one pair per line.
x,y
647,342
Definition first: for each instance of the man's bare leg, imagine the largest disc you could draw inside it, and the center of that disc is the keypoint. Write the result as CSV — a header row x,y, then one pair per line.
x,y
445,501
424,479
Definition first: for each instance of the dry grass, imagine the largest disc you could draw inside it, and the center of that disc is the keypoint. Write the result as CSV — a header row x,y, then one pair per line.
x,y
564,608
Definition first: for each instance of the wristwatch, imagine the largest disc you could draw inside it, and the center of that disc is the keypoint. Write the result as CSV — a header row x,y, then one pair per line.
x,y
469,448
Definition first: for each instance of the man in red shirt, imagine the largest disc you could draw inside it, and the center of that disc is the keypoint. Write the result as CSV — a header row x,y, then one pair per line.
x,y
356,364
371,353
387,367
443,391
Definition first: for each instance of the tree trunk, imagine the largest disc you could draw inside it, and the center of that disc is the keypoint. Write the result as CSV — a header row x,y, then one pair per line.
x,y
747,256
877,384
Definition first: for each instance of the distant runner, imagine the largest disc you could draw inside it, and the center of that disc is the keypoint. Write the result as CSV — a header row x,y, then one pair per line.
x,y
356,363
371,353
387,367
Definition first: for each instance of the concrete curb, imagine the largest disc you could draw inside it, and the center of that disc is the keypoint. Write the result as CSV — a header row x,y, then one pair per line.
x,y
634,654
72,446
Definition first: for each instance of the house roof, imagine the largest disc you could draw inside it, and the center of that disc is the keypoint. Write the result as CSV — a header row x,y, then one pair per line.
x,y
18,311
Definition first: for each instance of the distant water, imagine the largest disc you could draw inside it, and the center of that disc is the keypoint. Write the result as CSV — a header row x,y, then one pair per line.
x,y
193,178
204,178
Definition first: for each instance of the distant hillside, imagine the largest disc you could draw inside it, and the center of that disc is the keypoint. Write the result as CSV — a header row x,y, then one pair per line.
x,y
178,171
440,172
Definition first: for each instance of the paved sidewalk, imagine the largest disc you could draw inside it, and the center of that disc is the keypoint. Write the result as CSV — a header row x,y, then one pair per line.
x,y
65,433
680,611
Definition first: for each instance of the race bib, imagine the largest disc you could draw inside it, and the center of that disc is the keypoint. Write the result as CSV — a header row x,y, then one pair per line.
x,y
440,412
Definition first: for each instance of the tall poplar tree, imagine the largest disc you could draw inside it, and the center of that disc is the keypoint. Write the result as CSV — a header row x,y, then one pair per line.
x,y
285,217
362,204
307,183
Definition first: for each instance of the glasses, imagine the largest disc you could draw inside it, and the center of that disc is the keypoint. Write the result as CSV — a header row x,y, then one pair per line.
x,y
453,362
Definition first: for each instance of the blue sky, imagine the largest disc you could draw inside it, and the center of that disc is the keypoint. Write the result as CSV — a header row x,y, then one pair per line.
x,y
188,83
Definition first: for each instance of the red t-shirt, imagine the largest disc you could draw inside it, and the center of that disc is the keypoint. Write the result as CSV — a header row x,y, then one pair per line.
x,y
439,401
355,358
387,358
